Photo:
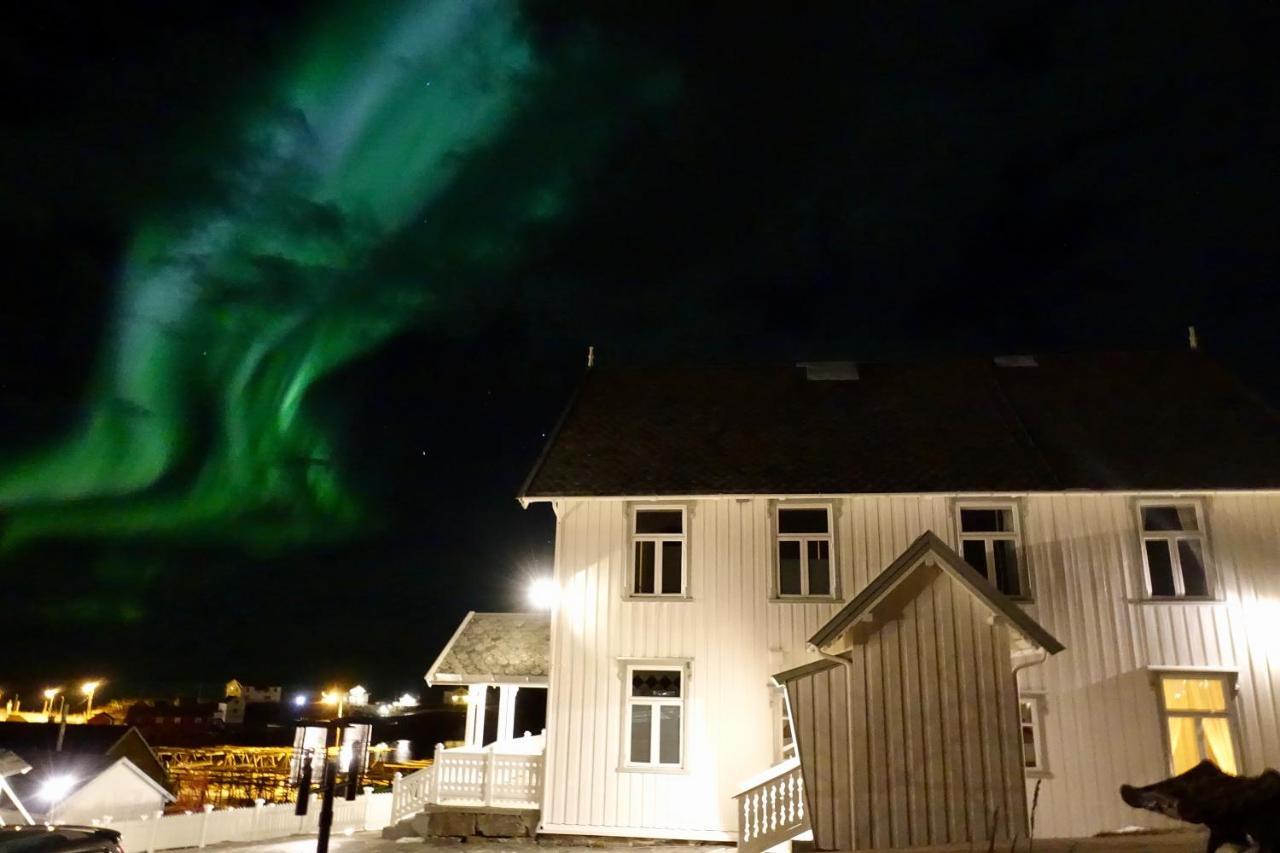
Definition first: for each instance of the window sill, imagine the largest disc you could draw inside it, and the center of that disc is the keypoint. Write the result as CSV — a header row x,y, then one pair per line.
x,y
1037,773
1178,599
804,599
672,598
660,771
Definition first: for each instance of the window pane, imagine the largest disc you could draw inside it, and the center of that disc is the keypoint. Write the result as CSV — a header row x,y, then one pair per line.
x,y
641,732
820,568
1028,747
1024,712
789,568
802,521
1194,694
1194,579
1169,517
975,553
644,568
1005,554
669,734
1182,744
1159,567
986,520
655,682
1217,743
659,521
672,577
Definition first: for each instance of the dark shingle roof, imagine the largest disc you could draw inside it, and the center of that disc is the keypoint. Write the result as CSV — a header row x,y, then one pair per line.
x,y
1111,421
496,647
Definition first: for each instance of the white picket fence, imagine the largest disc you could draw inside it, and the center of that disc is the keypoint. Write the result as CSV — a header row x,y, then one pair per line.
x,y
259,822
507,774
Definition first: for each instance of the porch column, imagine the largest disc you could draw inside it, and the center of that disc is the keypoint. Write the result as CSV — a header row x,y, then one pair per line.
x,y
475,714
507,710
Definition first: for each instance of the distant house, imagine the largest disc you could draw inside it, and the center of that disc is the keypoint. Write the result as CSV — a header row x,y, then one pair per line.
x,y
159,719
714,528
253,695
79,787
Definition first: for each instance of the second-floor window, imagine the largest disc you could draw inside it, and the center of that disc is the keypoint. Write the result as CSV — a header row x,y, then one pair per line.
x,y
1173,550
990,542
658,563
804,552
1029,726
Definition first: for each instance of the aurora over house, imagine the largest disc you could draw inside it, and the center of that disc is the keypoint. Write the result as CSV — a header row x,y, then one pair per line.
x,y
293,293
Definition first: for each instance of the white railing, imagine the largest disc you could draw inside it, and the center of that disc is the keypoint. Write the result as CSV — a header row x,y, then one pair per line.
x,y
771,808
410,794
506,774
258,822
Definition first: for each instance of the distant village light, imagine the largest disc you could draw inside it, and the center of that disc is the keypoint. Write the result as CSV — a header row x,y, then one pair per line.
x,y
543,594
407,701
300,699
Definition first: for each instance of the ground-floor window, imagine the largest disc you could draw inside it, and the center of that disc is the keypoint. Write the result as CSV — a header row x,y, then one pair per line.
x,y
1031,732
1198,721
784,741
655,716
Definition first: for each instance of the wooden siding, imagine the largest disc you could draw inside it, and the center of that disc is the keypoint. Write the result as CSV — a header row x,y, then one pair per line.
x,y
923,749
1100,724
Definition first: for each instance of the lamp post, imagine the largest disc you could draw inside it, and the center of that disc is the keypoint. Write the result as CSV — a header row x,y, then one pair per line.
x,y
88,689
49,695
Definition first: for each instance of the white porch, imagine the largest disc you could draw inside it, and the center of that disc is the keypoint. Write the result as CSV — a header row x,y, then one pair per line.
x,y
506,774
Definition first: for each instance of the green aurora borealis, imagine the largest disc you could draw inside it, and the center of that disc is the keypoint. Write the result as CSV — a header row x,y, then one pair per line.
x,y
227,315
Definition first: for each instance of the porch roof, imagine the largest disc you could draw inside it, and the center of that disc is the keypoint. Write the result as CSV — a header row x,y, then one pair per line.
x,y
889,590
496,648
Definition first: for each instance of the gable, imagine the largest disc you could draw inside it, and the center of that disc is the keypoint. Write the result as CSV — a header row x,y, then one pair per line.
x,y
923,562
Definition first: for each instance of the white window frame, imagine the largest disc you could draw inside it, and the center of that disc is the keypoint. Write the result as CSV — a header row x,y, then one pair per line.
x,y
804,539
1170,538
658,538
655,702
989,537
1032,701
1229,689
782,719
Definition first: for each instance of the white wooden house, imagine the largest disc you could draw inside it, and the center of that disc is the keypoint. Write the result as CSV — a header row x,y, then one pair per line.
x,y
713,524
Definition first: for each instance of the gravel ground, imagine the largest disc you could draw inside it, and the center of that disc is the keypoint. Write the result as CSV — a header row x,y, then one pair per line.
x,y
373,842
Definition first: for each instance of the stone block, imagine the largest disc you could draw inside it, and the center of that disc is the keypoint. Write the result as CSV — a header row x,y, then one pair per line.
x,y
447,824
502,825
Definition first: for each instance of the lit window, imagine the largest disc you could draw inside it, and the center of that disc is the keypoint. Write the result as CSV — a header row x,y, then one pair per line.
x,y
655,716
990,542
658,552
804,552
1173,550
1198,721
1029,725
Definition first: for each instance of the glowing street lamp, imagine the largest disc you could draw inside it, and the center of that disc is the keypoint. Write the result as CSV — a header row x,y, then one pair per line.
x,y
49,695
333,697
299,700
543,594
88,689
55,789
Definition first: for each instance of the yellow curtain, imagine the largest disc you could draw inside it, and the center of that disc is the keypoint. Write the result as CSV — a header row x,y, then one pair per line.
x,y
1182,744
1217,743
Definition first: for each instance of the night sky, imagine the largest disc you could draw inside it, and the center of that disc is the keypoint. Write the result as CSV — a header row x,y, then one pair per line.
x,y
293,294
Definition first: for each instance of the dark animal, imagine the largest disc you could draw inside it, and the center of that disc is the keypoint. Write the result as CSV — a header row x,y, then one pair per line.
x,y
1236,809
